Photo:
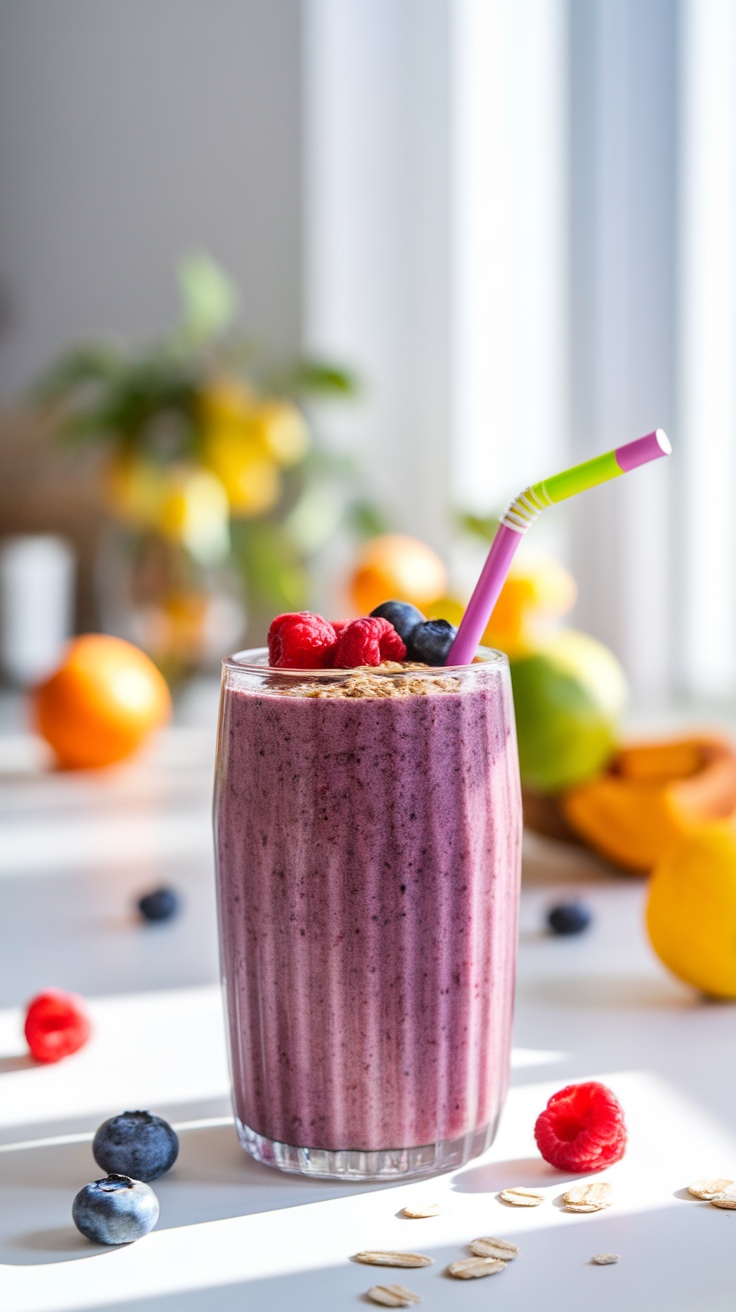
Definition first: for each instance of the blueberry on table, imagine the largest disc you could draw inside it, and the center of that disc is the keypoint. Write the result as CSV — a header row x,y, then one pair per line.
x,y
159,904
401,614
136,1143
431,642
116,1210
569,918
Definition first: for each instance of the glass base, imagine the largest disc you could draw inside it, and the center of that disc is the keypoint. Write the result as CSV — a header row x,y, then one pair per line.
x,y
355,1164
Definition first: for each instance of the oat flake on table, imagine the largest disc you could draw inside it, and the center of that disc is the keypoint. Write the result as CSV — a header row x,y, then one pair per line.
x,y
707,1189
605,1259
377,1257
393,1296
472,1268
500,1248
590,1196
521,1197
419,1212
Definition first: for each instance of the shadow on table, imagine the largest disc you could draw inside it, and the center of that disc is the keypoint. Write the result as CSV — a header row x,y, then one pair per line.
x,y
555,1271
213,1179
21,1061
492,1177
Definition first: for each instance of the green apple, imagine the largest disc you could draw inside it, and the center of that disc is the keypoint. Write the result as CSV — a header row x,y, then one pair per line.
x,y
569,695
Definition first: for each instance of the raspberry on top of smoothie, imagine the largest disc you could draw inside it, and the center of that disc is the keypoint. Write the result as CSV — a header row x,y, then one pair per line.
x,y
394,631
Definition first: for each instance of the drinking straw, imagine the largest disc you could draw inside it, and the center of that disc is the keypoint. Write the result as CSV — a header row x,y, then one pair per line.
x,y
521,514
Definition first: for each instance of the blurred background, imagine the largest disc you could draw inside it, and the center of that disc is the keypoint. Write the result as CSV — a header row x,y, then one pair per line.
x,y
369,266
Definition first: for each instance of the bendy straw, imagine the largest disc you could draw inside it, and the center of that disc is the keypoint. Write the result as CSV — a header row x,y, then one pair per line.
x,y
522,513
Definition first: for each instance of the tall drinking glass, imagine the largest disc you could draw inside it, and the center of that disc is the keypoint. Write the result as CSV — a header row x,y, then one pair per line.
x,y
368,828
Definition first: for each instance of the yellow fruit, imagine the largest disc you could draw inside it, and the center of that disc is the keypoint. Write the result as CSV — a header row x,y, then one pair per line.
x,y
250,478
134,490
396,567
195,512
447,608
282,432
691,909
534,594
569,696
225,401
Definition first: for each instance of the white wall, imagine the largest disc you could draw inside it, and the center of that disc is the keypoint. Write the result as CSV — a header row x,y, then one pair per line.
x,y
377,238
132,131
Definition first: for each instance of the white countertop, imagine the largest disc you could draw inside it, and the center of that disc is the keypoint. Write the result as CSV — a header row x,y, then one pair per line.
x,y
75,850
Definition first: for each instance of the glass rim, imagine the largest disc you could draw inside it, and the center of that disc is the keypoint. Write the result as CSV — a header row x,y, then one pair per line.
x,y
258,664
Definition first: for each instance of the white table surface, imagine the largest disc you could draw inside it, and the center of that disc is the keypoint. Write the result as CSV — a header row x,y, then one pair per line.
x,y
74,852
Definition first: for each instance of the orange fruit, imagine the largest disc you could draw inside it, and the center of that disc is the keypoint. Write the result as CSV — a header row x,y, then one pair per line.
x,y
394,567
101,703
534,594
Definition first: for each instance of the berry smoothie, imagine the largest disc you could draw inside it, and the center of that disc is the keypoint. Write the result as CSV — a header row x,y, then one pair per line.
x,y
368,829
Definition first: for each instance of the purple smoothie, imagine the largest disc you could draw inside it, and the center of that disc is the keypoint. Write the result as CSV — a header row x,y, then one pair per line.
x,y
368,853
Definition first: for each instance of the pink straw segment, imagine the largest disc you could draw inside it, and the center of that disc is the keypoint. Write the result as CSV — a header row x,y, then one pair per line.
x,y
643,450
521,514
485,596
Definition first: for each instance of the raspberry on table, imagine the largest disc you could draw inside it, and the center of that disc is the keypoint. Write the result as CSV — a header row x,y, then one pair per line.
x,y
581,1128
300,640
56,1025
368,641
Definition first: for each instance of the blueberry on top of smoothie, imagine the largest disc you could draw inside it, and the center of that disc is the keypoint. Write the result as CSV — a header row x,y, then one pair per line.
x,y
431,641
401,614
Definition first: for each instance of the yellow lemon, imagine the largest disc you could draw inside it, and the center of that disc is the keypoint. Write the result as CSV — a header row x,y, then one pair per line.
x,y
195,512
691,909
534,594
395,567
225,401
282,431
569,697
134,490
447,608
251,480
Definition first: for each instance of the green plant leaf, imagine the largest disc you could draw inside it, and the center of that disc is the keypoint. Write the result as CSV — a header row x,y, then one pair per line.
x,y
316,378
270,562
95,362
209,297
366,519
478,526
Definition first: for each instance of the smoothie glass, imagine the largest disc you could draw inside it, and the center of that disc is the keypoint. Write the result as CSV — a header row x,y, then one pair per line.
x,y
367,833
